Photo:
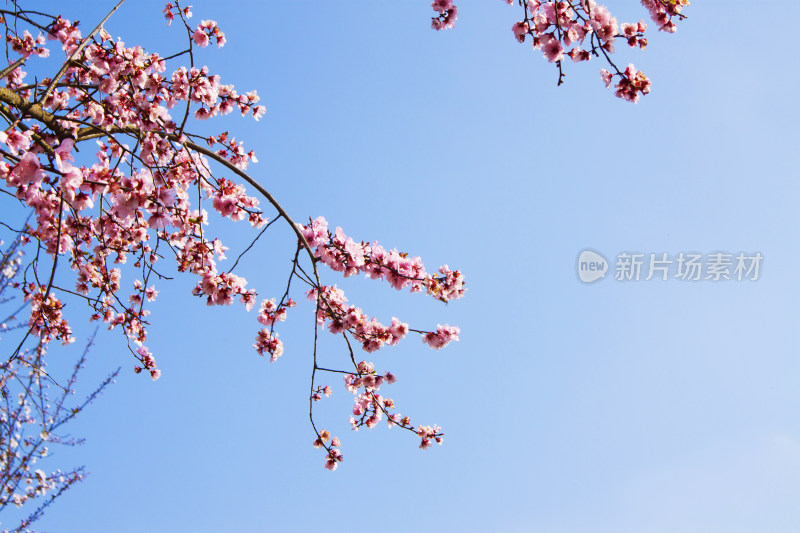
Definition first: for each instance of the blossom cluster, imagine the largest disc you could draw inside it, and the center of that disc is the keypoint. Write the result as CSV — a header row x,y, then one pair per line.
x,y
332,306
342,254
149,363
27,46
443,335
267,340
630,85
46,319
447,13
171,10
223,288
580,29
662,12
340,316
207,29
333,456
319,391
271,312
588,29
429,434
143,195
585,28
369,407
110,87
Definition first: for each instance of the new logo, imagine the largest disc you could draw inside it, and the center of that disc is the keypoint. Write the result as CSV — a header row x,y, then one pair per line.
x,y
591,266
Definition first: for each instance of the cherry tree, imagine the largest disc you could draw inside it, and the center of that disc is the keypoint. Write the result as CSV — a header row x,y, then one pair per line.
x,y
108,226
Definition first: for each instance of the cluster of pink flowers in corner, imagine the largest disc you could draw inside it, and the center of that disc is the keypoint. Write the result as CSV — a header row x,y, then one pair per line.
x,y
447,14
662,13
556,27
580,30
342,254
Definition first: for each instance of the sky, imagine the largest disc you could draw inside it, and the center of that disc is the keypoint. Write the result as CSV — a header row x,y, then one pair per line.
x,y
612,406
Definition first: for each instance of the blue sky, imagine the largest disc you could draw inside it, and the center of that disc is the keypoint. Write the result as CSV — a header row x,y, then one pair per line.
x,y
663,407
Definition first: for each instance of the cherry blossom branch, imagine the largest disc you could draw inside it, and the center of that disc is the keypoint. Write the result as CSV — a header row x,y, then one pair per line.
x,y
6,71
252,243
159,188
264,192
55,79
555,26
33,110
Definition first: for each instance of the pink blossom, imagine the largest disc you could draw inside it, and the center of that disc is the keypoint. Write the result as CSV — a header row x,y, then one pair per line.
x,y
442,337
552,49
441,6
70,181
333,459
448,13
16,141
606,76
63,153
159,220
520,30
200,37
28,170
267,342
